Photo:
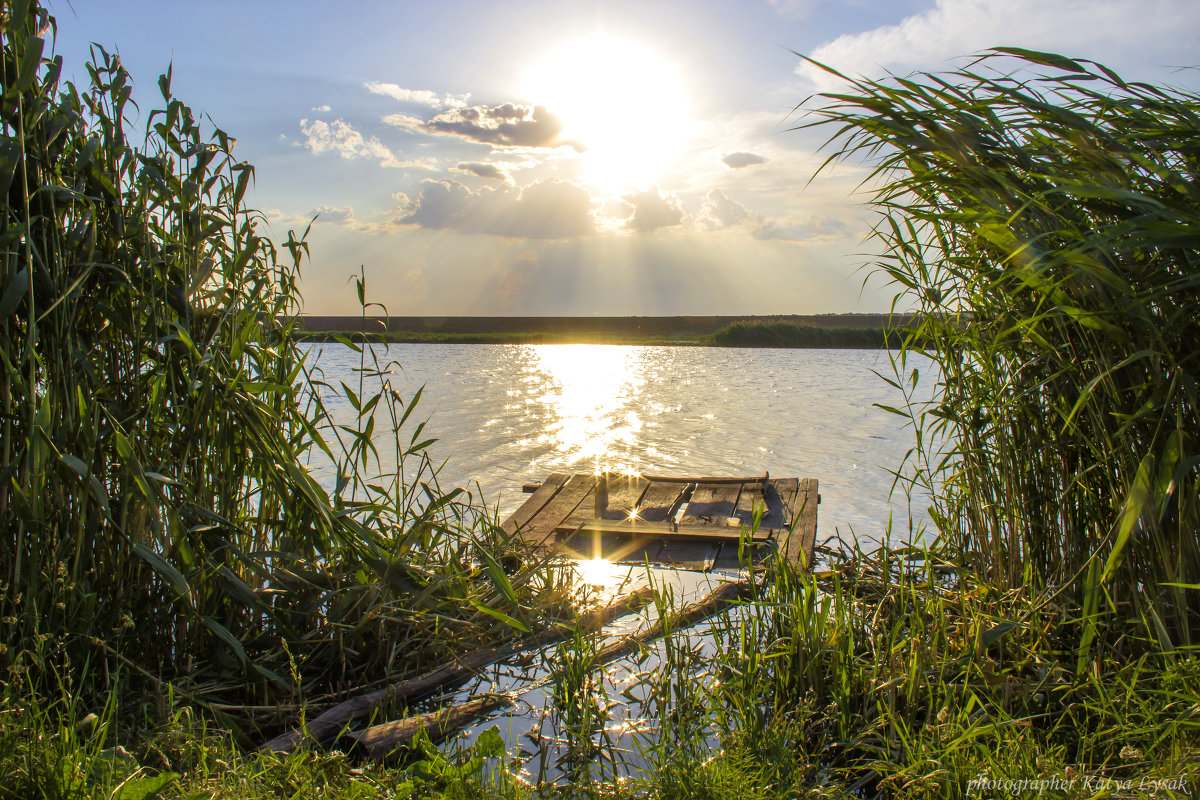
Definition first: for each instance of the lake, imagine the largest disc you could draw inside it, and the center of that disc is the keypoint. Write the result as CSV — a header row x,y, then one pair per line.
x,y
506,415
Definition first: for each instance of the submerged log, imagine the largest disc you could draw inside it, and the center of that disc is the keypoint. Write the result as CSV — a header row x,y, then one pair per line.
x,y
716,601
326,725
384,740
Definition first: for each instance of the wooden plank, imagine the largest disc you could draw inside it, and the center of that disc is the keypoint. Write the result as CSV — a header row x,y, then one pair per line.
x,y
803,536
714,479
563,504
665,530
611,546
781,492
660,501
753,497
536,502
623,494
711,504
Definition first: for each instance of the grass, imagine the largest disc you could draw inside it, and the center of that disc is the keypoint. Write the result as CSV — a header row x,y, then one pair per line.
x,y
177,586
892,674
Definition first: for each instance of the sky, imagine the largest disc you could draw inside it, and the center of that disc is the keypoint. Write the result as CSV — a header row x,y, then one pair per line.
x,y
610,157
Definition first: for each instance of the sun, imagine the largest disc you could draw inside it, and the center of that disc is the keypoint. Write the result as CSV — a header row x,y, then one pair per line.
x,y
624,103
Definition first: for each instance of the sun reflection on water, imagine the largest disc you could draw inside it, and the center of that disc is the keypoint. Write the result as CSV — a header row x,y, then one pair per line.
x,y
590,392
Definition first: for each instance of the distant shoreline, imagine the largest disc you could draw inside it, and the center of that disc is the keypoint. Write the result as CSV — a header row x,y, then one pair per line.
x,y
864,331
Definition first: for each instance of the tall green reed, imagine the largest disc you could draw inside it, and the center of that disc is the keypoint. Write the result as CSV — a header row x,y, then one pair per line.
x,y
1043,225
158,523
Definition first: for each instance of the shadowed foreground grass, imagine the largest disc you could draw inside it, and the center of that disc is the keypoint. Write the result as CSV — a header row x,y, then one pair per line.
x,y
896,674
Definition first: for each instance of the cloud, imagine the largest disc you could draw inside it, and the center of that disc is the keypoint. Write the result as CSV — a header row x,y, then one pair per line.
x,y
490,171
651,211
422,97
341,138
742,159
546,209
721,211
334,215
507,125
1103,29
322,109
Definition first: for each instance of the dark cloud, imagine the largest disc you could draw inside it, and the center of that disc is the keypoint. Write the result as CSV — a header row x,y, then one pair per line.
x,y
490,171
505,125
547,209
742,159
652,211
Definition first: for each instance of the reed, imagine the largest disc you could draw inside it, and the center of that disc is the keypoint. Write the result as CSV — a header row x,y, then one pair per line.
x,y
1044,229
161,524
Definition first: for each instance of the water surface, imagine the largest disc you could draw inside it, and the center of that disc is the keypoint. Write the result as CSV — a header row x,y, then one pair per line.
x,y
511,414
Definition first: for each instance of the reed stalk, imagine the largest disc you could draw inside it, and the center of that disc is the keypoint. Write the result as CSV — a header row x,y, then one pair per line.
x,y
1039,215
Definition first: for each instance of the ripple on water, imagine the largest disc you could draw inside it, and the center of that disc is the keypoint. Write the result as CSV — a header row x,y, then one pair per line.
x,y
510,414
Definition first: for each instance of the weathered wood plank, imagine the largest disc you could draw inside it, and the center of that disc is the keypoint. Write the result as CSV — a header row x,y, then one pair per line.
x,y
536,502
753,497
618,501
755,552
781,493
713,479
666,530
610,546
803,536
660,501
624,493
685,554
711,504
564,503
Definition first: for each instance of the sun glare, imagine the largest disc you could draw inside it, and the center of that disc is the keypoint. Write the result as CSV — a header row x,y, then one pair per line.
x,y
621,101
591,391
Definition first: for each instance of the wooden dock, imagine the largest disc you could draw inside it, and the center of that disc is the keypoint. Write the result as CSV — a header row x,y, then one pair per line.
x,y
695,523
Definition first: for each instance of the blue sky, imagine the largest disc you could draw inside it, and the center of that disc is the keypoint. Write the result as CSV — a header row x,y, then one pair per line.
x,y
602,157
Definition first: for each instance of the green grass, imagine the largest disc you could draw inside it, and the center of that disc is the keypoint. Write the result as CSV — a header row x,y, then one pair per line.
x,y
894,674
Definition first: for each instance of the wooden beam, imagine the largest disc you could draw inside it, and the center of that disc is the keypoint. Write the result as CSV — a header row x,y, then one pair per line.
x,y
715,479
385,741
